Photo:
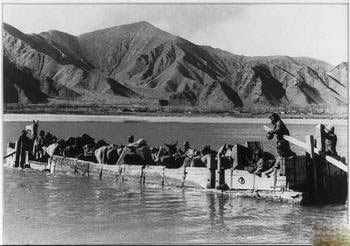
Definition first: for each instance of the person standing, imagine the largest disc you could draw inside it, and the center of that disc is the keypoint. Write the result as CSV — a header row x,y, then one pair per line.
x,y
279,129
24,144
282,146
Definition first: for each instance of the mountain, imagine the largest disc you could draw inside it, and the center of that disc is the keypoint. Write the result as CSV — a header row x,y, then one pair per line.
x,y
141,62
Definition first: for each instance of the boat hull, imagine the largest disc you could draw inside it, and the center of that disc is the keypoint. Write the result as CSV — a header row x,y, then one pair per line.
x,y
192,177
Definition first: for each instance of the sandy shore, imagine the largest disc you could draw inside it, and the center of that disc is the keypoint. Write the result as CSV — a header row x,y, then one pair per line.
x,y
182,119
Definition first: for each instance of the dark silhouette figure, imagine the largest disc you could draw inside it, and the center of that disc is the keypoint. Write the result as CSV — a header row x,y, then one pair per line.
x,y
24,144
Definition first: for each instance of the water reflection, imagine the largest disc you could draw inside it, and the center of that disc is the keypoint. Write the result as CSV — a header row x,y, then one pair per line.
x,y
88,210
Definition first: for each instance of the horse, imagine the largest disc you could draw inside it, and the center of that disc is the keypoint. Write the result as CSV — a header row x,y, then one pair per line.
x,y
107,154
89,153
170,158
54,148
112,154
172,149
32,129
99,144
207,150
74,146
74,150
137,153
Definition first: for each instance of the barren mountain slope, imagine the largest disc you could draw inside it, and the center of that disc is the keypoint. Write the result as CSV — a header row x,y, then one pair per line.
x,y
111,61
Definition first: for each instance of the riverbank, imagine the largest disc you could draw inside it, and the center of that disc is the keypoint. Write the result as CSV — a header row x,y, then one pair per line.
x,y
165,118
132,108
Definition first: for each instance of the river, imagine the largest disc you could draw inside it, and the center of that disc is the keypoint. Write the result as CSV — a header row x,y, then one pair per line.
x,y
61,208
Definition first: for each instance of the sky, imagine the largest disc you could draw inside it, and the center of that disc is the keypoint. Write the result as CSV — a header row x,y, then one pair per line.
x,y
310,30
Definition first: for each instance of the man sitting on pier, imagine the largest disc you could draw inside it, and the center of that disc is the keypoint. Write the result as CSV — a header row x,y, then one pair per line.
x,y
259,163
330,140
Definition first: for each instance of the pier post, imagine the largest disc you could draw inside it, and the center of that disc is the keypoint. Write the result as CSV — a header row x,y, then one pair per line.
x,y
26,160
18,154
220,173
142,176
211,173
163,176
320,136
123,173
183,178
310,153
52,165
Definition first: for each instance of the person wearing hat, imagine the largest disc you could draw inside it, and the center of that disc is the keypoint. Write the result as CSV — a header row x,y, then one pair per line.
x,y
330,141
279,129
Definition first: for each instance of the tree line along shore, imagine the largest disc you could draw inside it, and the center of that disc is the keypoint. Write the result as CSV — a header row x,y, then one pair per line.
x,y
98,109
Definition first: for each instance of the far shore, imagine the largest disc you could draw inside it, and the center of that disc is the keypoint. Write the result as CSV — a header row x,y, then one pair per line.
x,y
180,119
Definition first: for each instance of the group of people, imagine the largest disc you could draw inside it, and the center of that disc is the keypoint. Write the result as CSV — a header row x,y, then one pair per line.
x,y
263,165
138,152
34,144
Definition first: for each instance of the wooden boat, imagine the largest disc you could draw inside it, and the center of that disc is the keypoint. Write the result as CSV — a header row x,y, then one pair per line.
x,y
309,179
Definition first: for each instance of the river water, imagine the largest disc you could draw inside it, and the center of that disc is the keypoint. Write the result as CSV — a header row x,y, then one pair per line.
x,y
62,208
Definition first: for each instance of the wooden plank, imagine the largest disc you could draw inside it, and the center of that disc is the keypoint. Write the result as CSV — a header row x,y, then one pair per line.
x,y
289,139
295,141
336,163
310,149
242,180
264,183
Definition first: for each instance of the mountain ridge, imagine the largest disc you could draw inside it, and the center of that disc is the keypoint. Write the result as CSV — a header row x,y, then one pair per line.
x,y
117,61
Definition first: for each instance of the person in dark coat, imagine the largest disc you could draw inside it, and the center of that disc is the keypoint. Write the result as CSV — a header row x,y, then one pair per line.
x,y
24,144
330,140
279,129
259,163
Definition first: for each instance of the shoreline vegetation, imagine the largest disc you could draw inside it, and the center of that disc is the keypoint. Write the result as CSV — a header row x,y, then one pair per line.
x,y
213,119
70,108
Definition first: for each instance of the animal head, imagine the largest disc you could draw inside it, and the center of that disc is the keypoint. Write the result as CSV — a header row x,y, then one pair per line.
x,y
100,143
35,126
154,150
70,141
171,147
87,148
206,150
79,141
32,129
86,139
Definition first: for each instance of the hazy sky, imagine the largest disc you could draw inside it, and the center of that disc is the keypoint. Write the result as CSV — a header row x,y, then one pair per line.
x,y
318,31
